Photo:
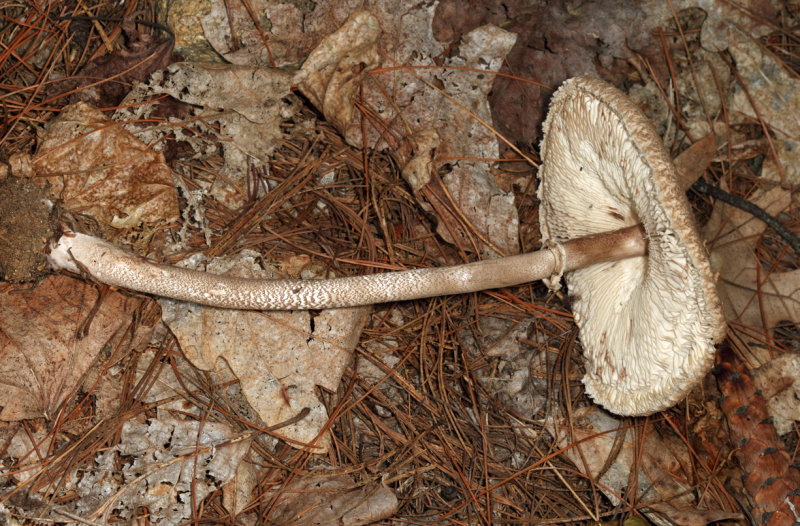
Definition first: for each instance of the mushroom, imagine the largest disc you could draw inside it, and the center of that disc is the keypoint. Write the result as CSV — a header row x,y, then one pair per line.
x,y
608,191
647,324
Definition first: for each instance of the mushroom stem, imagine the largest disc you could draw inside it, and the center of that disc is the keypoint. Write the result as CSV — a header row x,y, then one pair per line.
x,y
110,265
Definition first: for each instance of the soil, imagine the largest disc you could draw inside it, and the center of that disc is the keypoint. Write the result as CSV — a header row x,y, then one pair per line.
x,y
26,228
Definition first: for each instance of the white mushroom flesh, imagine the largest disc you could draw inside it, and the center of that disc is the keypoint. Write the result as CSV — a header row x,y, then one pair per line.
x,y
647,324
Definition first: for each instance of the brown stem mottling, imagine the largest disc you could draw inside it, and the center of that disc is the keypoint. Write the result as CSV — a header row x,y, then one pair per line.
x,y
113,266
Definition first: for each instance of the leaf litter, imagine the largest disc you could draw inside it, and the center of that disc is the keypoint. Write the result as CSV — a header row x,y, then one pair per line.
x,y
45,350
166,465
604,447
424,153
237,109
96,168
279,357
440,115
106,79
755,296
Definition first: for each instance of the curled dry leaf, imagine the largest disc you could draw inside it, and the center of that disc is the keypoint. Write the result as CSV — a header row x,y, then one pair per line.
x,y
406,108
333,73
751,295
279,357
49,337
96,167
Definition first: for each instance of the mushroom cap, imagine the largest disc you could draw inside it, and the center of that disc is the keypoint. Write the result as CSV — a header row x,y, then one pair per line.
x,y
647,324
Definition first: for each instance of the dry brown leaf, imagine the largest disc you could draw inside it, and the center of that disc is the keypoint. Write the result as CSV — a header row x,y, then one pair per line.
x,y
434,114
751,295
693,161
663,478
333,500
97,168
43,348
279,357
234,108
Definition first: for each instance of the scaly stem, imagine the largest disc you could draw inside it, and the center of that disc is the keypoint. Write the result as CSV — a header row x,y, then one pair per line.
x,y
113,266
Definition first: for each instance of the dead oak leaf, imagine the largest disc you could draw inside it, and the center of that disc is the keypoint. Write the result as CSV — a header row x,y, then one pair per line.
x,y
45,347
751,295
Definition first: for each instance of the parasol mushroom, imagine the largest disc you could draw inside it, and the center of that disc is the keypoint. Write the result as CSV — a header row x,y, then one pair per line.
x,y
647,324
608,190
